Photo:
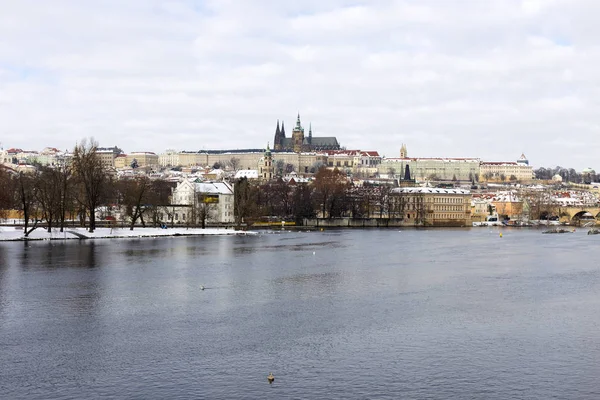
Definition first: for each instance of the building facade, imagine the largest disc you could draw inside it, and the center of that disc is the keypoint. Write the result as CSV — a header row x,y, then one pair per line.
x,y
143,159
191,198
424,206
434,169
507,171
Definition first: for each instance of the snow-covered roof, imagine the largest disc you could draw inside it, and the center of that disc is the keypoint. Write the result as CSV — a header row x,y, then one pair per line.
x,y
246,173
439,159
213,188
428,190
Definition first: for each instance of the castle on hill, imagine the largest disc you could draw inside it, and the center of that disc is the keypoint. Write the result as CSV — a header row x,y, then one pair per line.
x,y
298,143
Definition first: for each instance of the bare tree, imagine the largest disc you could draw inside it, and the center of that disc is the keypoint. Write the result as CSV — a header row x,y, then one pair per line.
x,y
391,172
289,168
245,208
134,194
158,201
279,168
234,163
48,194
7,191
91,174
65,182
383,200
204,209
27,200
330,187
302,205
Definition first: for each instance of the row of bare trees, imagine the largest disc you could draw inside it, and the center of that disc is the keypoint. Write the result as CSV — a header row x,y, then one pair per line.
x,y
53,195
329,195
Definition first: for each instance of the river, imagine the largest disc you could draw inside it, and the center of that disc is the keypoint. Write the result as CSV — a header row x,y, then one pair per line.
x,y
338,314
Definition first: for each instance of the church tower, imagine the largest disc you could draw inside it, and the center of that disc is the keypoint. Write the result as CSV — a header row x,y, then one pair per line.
x,y
266,167
298,136
403,152
278,142
310,135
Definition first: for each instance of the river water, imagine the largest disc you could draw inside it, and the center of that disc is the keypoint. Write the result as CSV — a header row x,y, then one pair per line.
x,y
339,314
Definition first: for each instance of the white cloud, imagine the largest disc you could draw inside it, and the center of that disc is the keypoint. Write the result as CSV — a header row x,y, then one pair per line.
x,y
463,78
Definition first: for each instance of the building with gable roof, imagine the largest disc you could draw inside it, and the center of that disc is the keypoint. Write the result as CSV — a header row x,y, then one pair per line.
x,y
189,194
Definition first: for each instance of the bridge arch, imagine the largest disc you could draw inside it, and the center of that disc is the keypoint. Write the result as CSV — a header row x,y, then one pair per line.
x,y
567,214
583,216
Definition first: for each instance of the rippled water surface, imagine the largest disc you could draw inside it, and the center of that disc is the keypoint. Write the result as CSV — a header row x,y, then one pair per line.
x,y
341,314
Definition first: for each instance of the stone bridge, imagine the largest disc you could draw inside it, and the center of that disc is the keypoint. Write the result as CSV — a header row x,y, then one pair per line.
x,y
572,213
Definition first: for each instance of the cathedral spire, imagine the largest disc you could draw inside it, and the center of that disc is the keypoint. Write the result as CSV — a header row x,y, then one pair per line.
x,y
403,152
277,131
310,133
282,130
298,124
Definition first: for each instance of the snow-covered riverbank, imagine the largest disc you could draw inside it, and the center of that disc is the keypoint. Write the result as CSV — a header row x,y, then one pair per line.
x,y
11,233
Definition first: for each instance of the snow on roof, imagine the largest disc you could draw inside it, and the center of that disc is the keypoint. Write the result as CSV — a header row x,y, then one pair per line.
x,y
426,190
441,159
213,188
246,173
499,163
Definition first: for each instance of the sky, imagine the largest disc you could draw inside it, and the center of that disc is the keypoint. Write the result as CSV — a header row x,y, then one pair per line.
x,y
450,78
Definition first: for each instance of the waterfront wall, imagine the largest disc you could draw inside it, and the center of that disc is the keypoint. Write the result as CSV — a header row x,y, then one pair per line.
x,y
376,223
353,222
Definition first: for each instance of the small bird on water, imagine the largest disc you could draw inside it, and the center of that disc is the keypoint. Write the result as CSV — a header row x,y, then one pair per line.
x,y
270,378
201,287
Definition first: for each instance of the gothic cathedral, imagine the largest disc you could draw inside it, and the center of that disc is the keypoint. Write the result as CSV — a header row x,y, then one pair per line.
x,y
298,143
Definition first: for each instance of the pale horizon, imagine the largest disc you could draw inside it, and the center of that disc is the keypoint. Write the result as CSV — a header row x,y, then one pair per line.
x,y
468,79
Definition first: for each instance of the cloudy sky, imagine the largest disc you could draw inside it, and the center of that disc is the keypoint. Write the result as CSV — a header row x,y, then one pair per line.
x,y
456,78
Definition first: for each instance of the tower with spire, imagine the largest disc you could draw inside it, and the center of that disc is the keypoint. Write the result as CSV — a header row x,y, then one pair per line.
x,y
278,142
299,143
266,165
403,152
298,136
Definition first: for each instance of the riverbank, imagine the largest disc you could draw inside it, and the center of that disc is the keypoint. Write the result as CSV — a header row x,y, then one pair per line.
x,y
15,234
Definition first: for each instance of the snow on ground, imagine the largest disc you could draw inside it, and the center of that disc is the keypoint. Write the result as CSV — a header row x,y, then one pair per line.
x,y
12,233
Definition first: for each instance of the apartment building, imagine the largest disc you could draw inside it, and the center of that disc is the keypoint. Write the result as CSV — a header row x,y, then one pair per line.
x,y
432,206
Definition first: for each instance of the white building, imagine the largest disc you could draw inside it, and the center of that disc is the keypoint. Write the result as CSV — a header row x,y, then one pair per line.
x,y
216,197
421,169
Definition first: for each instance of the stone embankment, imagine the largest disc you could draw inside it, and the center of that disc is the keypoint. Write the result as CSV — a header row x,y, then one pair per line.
x,y
12,233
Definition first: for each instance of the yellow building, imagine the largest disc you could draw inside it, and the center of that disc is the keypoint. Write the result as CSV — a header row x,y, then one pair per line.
x,y
481,208
143,158
505,172
107,157
432,206
121,161
508,205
